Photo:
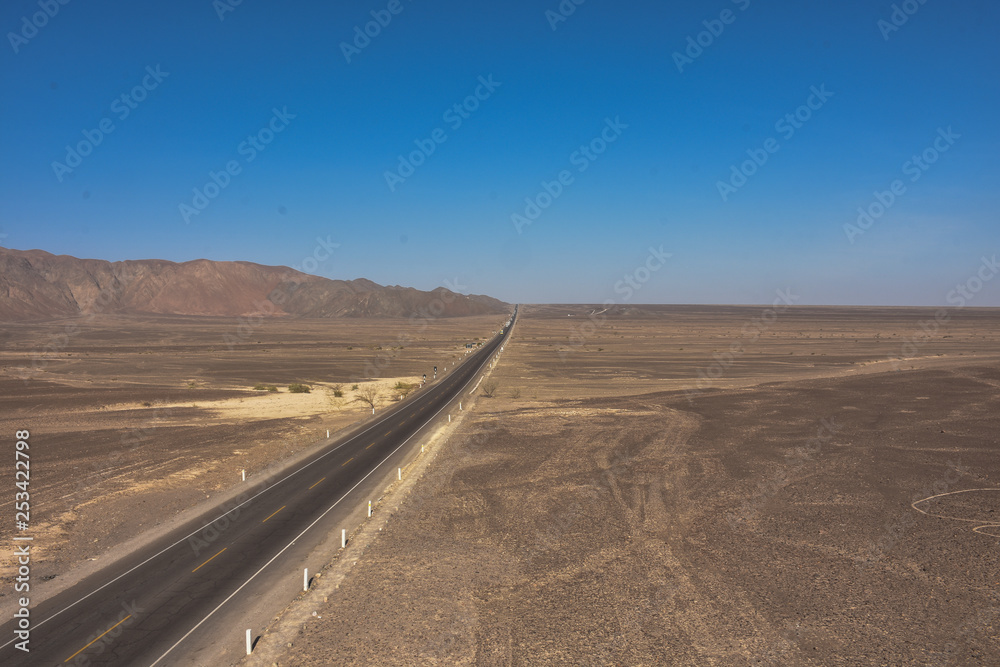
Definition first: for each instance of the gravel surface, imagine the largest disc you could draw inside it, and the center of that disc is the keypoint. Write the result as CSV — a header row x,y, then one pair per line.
x,y
777,524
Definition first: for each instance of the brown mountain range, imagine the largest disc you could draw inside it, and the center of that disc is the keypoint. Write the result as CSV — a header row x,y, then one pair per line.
x,y
37,285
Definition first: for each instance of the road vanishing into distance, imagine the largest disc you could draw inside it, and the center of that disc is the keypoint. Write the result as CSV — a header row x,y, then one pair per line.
x,y
156,605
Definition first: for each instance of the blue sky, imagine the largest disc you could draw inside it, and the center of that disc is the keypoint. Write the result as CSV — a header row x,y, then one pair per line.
x,y
657,183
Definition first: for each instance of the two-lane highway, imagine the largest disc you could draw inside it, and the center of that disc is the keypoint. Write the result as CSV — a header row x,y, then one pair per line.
x,y
143,608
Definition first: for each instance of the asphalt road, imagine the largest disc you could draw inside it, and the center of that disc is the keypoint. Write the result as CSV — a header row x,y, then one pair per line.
x,y
144,608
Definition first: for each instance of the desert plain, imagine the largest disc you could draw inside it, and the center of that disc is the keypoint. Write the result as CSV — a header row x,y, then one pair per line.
x,y
138,418
647,485
824,496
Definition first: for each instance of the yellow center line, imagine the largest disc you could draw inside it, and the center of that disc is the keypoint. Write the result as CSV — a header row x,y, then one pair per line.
x,y
104,633
207,561
346,462
369,445
275,512
317,482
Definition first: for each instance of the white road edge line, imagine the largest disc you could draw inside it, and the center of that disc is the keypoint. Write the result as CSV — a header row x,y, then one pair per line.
x,y
262,491
168,548
328,510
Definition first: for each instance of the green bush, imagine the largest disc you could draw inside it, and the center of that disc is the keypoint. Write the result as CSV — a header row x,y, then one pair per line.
x,y
260,386
404,388
297,388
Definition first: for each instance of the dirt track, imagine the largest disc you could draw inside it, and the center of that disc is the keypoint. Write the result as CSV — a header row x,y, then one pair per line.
x,y
763,525
630,496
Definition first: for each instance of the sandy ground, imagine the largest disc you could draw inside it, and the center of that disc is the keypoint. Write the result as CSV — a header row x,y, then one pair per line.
x,y
134,420
816,502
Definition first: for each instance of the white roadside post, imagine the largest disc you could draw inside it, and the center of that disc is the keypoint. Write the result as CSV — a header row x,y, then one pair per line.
x,y
369,509
399,473
343,538
305,579
244,474
249,644
327,433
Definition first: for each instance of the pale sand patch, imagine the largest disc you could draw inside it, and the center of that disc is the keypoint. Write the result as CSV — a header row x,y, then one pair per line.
x,y
282,404
54,534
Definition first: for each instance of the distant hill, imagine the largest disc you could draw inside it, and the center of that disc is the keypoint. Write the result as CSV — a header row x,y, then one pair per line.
x,y
37,285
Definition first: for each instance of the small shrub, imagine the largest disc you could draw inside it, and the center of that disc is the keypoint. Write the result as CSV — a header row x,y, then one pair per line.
x,y
403,388
338,393
271,387
515,393
354,387
490,388
147,404
296,388
369,395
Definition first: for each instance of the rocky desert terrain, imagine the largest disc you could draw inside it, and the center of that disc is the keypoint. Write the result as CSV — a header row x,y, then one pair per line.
x,y
633,496
136,418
